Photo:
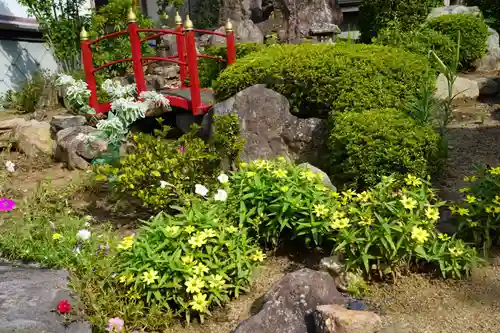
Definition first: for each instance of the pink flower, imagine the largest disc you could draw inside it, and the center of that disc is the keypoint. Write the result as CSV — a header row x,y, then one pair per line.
x,y
6,205
181,149
64,306
115,325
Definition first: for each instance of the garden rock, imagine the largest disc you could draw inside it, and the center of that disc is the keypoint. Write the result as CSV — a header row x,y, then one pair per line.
x,y
463,88
301,15
244,31
326,180
28,298
74,147
491,60
30,137
268,127
6,129
457,9
61,122
338,319
288,305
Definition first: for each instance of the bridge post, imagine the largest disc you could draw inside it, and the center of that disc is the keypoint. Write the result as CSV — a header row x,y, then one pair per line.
x,y
88,69
135,48
230,43
181,51
192,60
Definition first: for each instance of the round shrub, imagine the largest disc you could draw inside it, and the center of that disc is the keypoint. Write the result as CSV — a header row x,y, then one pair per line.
x,y
374,15
419,41
473,34
368,145
209,69
319,78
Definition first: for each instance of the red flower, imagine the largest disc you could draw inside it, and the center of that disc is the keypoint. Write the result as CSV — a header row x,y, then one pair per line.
x,y
64,306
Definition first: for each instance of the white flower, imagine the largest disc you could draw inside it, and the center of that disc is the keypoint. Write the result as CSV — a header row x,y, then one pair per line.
x,y
11,167
201,190
83,235
223,178
163,184
221,195
64,79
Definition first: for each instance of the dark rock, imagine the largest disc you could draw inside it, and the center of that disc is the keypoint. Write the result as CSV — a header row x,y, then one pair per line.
x,y
268,127
288,305
61,122
28,298
76,146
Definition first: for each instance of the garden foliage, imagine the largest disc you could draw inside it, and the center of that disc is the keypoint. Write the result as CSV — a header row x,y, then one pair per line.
x,y
473,33
375,15
368,145
318,79
490,10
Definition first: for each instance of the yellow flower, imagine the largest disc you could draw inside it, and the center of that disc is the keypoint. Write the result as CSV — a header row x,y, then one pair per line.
x,y
432,213
307,174
464,190
420,235
470,179
455,251
463,211
320,210
132,295
473,224
190,229
126,279
366,220
281,159
150,276
199,303
413,181
200,269
187,259
56,236
497,200
348,194
231,229
444,237
470,199
172,230
216,281
208,233
194,285
495,171
284,189
250,174
340,223
197,241
335,195
262,164
126,243
258,256
243,165
364,196
338,214
320,187
408,203
280,173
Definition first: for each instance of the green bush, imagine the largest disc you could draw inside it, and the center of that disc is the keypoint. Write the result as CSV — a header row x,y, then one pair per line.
x,y
375,15
319,78
419,41
473,34
189,262
163,172
275,200
478,215
27,98
368,145
209,69
111,18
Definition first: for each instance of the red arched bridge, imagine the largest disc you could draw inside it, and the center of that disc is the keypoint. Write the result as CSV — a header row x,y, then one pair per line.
x,y
193,98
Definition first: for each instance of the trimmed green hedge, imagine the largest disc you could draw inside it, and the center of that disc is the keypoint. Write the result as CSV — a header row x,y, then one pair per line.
x,y
209,69
364,146
419,41
375,15
473,34
319,78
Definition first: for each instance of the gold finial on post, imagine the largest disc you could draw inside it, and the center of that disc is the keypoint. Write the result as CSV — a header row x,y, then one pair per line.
x,y
84,35
229,26
131,15
178,18
188,25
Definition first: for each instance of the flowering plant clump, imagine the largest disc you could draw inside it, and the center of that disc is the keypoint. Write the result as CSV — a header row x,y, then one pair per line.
x,y
188,262
64,306
478,215
278,200
391,226
6,205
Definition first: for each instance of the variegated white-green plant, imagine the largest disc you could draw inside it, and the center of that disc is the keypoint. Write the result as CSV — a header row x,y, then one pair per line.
x,y
126,106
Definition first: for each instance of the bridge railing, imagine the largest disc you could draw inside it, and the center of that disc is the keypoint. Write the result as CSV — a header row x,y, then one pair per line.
x,y
186,57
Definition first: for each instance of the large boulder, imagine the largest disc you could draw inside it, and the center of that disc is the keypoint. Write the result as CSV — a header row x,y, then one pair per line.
x,y
491,60
77,146
268,127
300,15
463,88
456,9
31,137
336,318
29,298
64,121
244,31
289,304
